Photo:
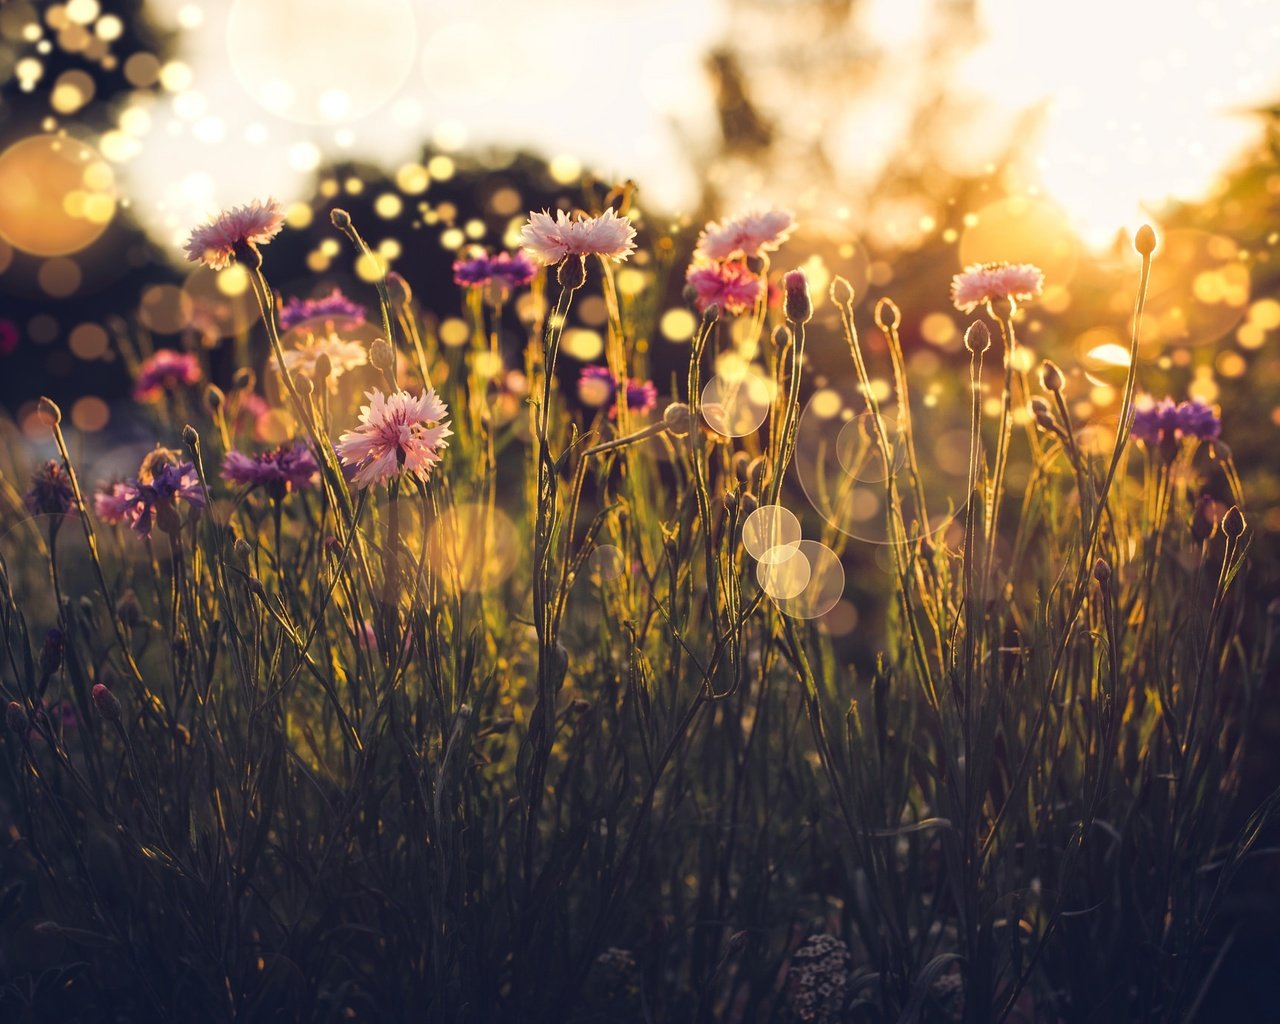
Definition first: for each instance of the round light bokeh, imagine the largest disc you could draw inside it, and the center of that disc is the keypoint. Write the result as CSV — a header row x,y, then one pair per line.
x,y
57,195
783,573
607,561
771,534
736,407
460,552
824,582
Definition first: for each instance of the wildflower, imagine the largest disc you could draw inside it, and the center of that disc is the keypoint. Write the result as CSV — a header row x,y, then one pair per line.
x,y
284,469
552,241
335,308
343,355
1164,423
597,387
749,235
797,306
50,492
235,234
397,432
165,371
818,978
106,702
988,282
730,285
113,501
162,482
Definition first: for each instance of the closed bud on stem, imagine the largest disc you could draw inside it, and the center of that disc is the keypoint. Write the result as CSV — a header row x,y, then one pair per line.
x,y
243,380
749,503
381,356
797,306
106,703
1145,240
242,549
841,291
257,589
710,315
48,408
1051,376
340,219
977,338
1233,523
303,383
1102,572
189,437
781,337
1204,521
888,315
676,419
398,288
128,609
572,273
214,398
740,462
324,367
17,719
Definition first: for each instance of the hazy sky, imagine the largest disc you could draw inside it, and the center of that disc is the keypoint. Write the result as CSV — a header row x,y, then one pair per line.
x,y
1142,99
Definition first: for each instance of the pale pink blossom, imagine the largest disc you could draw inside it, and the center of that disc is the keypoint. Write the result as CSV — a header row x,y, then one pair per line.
x,y
983,282
397,433
751,234
215,244
551,241
343,355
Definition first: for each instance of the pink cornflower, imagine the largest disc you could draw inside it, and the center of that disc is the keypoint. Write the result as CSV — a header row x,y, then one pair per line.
x,y
597,386
729,285
551,241
750,235
234,231
343,355
165,371
985,282
287,468
113,502
397,432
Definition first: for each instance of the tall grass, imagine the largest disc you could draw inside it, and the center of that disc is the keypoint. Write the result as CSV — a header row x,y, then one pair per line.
x,y
529,742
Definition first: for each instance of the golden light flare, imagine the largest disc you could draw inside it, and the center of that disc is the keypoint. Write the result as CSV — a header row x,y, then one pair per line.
x,y
473,547
1022,229
57,195
1199,289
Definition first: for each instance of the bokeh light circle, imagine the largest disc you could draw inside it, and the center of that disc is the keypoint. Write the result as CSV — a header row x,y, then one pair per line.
x,y
57,195
783,573
737,406
464,554
1020,229
823,587
607,561
330,63
771,533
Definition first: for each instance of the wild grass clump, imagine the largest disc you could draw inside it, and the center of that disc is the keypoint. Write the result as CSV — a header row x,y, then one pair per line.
x,y
485,706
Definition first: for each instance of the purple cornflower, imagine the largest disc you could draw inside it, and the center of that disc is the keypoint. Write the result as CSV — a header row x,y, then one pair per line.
x,y
1165,422
288,468
113,501
598,387
335,306
50,492
162,481
503,270
165,371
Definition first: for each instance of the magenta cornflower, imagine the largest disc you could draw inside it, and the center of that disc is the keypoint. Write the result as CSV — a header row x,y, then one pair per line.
x,y
506,270
112,502
397,433
334,307
235,232
552,240
288,468
598,387
165,372
752,234
1165,422
50,492
730,285
989,282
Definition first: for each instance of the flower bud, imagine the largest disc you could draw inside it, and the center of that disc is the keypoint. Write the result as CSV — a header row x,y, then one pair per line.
x,y
381,356
676,419
214,398
1051,376
841,291
710,315
797,306
324,366
303,385
128,609
16,719
1233,523
340,219
243,380
572,273
189,437
1102,572
257,589
888,315
977,338
242,549
48,408
1145,240
106,703
740,462
398,287
1204,521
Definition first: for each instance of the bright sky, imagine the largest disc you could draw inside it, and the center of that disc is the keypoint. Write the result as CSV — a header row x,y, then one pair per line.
x,y
1142,100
